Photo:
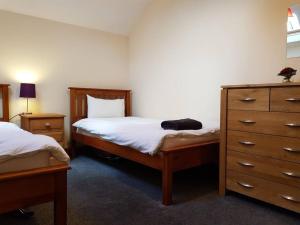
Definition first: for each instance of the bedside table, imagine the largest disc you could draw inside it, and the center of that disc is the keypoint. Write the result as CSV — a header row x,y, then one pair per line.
x,y
49,124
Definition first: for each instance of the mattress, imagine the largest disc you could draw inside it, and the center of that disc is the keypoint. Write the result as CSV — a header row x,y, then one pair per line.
x,y
145,135
171,142
22,150
38,160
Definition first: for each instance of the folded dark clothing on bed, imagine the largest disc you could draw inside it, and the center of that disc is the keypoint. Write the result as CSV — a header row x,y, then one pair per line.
x,y
183,124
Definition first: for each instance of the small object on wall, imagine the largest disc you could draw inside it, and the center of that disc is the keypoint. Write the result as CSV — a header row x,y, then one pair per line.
x,y
290,12
287,74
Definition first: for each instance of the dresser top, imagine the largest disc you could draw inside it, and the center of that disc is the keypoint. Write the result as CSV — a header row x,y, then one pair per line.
x,y
42,115
291,84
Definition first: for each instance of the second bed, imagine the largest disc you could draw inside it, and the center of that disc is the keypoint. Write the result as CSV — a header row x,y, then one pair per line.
x,y
141,140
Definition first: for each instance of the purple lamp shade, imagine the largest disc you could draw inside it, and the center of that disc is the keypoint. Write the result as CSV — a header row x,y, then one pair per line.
x,y
27,90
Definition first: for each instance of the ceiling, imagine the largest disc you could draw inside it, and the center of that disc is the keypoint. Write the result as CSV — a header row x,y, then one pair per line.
x,y
115,16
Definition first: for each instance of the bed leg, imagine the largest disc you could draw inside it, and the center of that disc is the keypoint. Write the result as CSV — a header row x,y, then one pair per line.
x,y
72,149
60,199
167,180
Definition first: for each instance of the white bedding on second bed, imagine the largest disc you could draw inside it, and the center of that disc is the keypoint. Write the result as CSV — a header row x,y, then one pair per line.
x,y
144,135
17,143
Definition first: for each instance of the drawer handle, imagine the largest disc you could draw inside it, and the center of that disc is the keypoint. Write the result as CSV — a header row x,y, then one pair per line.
x,y
246,143
248,100
247,121
290,198
246,164
291,150
293,125
245,185
292,99
291,174
47,124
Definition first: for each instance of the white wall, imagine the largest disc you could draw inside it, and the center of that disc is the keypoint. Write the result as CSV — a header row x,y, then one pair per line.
x,y
181,52
58,56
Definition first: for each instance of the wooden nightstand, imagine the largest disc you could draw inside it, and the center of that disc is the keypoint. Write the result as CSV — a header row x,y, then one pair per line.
x,y
49,124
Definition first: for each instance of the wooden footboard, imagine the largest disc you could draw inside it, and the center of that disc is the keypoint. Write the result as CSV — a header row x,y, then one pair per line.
x,y
36,186
184,158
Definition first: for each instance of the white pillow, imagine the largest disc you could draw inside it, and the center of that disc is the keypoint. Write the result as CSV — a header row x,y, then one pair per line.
x,y
98,107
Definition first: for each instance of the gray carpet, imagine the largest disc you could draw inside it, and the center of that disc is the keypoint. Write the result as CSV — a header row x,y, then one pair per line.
x,y
119,192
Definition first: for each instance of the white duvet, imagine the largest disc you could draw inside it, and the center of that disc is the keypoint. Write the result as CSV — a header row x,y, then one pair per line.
x,y
15,142
144,135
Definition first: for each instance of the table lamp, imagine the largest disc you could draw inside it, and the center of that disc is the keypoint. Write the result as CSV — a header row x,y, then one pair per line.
x,y
27,91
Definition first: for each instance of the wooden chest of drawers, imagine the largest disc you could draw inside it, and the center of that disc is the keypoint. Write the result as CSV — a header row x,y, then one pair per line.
x,y
48,124
260,142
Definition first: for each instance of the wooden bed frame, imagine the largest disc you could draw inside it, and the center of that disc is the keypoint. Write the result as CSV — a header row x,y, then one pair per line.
x,y
167,161
30,187
5,107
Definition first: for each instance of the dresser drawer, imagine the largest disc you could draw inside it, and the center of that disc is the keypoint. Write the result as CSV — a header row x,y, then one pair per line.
x,y
278,194
58,136
285,99
283,148
37,125
276,123
272,169
249,99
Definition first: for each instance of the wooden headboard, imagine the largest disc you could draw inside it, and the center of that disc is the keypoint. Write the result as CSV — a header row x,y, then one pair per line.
x,y
5,103
78,100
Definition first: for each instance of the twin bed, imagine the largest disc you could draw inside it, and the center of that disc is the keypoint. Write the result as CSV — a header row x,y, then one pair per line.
x,y
140,140
33,168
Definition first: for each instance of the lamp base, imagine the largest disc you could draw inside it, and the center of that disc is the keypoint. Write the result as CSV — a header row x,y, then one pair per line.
x,y
26,113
